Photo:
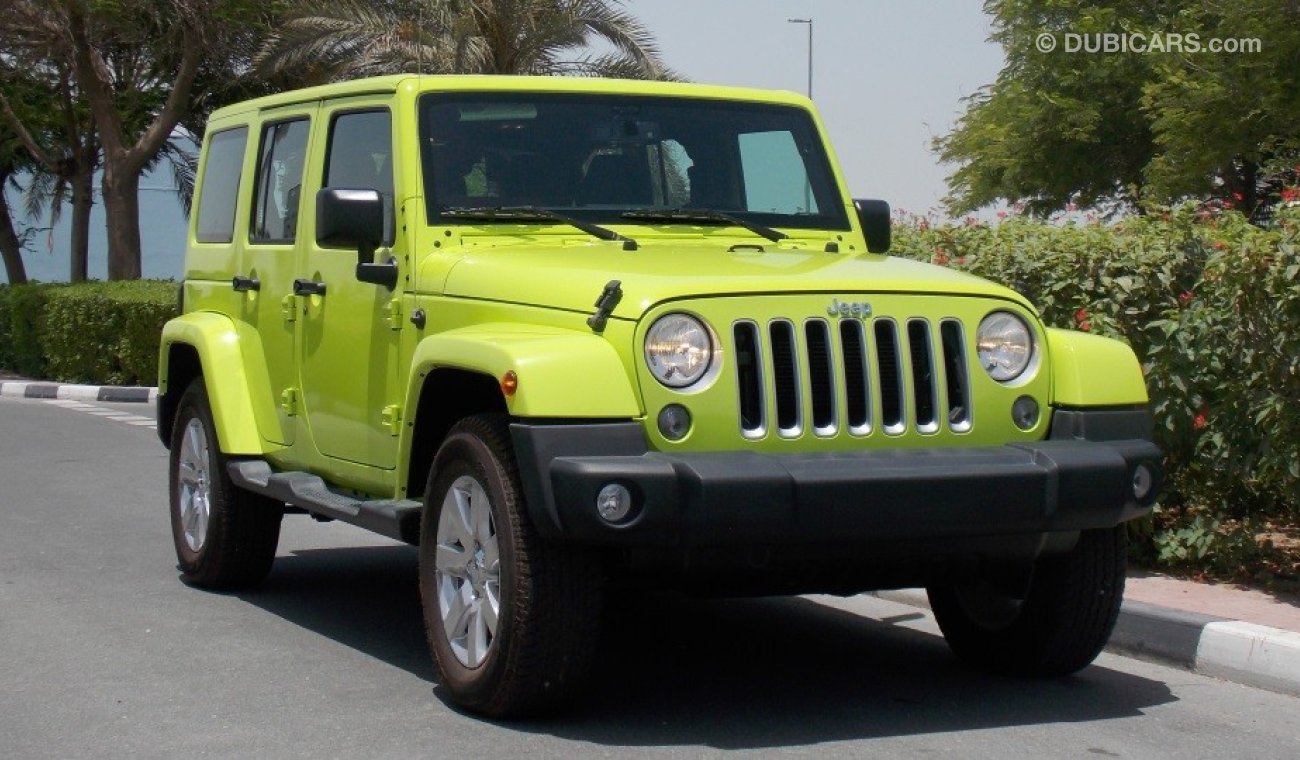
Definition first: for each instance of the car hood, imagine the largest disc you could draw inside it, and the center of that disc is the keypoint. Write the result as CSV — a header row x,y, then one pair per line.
x,y
572,277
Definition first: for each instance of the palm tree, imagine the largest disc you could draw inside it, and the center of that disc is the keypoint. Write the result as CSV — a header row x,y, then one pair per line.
x,y
328,40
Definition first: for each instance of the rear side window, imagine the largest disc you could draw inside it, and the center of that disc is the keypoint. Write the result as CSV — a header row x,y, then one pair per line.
x,y
220,189
278,186
360,155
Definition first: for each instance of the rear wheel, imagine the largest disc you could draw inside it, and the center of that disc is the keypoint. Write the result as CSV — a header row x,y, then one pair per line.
x,y
225,537
1061,624
511,619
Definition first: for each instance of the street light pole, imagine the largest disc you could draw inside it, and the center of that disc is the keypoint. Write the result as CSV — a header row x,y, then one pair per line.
x,y
807,185
809,22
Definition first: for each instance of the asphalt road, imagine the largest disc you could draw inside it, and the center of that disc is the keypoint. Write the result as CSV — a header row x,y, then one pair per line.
x,y
105,653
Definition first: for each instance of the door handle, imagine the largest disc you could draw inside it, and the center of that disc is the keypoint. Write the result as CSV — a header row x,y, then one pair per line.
x,y
308,288
242,284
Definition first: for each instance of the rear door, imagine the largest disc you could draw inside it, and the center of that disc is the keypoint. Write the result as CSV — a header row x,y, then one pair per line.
x,y
271,255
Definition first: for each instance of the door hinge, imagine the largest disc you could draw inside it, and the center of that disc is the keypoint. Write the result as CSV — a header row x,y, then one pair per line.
x,y
391,417
289,401
395,314
289,308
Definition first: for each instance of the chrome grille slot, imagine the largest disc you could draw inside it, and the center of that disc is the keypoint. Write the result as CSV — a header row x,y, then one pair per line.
x,y
821,371
954,371
749,370
785,370
857,390
890,366
924,387
851,377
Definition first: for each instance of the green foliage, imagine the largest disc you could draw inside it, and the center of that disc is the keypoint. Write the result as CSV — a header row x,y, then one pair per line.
x,y
96,332
330,40
21,307
1119,129
1210,304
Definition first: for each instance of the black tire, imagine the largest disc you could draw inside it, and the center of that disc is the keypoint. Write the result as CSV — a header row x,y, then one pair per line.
x,y
236,545
549,594
1059,628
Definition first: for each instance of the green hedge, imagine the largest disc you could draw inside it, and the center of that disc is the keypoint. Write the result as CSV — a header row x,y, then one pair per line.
x,y
1211,305
95,332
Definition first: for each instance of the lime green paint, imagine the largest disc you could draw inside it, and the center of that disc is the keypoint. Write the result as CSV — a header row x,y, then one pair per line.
x,y
229,375
1088,370
562,373
501,297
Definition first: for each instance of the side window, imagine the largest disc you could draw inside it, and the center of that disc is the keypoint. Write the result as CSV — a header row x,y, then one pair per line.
x,y
220,189
278,186
776,179
361,156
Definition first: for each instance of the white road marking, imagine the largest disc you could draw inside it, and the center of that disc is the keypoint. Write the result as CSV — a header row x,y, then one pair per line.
x,y
99,411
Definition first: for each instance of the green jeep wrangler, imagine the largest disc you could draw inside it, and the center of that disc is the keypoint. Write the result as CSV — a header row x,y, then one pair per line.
x,y
558,332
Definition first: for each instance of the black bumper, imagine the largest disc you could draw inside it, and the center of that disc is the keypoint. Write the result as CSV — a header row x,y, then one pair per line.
x,y
1065,484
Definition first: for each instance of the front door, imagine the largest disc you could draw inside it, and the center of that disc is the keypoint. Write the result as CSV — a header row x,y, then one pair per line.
x,y
349,339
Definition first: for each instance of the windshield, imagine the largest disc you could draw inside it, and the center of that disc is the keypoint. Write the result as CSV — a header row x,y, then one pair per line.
x,y
597,157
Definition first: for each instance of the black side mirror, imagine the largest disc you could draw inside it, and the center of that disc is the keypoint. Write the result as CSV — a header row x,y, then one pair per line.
x,y
354,218
873,215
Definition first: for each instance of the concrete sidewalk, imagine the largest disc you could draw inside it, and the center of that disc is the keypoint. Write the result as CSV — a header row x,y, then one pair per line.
x,y
1229,632
17,388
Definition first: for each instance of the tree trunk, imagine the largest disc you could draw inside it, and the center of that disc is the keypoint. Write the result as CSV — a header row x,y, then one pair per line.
x,y
122,217
83,200
11,249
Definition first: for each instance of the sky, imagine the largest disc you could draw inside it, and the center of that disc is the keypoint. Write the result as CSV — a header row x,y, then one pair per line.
x,y
888,77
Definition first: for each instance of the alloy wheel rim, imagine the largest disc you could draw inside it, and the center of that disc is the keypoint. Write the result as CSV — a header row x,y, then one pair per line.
x,y
195,486
468,571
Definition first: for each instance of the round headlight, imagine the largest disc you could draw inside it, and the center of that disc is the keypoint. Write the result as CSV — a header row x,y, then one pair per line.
x,y
678,350
1005,345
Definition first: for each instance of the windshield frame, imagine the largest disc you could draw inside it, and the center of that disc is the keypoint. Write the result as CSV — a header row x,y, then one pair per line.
x,y
824,185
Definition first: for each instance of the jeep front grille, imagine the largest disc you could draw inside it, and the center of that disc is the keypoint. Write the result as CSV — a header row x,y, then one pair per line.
x,y
840,379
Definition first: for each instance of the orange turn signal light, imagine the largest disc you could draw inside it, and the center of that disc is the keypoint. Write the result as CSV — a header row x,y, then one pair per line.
x,y
509,383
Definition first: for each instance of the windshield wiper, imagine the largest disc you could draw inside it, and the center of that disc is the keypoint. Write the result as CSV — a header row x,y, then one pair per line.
x,y
705,215
532,214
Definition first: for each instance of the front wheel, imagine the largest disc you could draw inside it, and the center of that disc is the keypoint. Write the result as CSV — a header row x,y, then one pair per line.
x,y
225,537
1061,624
511,619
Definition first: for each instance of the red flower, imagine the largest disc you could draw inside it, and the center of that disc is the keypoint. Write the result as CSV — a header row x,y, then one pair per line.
x,y
1085,325
1239,197
1219,245
971,221
923,225
1071,207
1290,194
940,257
1002,215
1186,297
1198,422
1081,315
960,261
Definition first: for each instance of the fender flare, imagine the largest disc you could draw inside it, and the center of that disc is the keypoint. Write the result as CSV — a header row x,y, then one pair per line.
x,y
229,381
561,373
1089,370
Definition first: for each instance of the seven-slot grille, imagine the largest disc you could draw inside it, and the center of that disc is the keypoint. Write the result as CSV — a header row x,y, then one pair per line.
x,y
851,375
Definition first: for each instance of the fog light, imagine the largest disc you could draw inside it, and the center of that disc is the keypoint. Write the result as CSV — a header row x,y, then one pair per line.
x,y
1142,480
614,502
1024,412
674,422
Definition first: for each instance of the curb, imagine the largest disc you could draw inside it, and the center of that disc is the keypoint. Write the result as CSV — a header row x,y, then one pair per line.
x,y
1233,650
26,389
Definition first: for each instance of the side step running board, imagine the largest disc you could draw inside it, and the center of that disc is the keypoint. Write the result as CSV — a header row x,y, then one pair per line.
x,y
396,519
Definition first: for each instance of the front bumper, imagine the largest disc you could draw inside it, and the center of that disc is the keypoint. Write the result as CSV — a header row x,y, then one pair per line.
x,y
1061,485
